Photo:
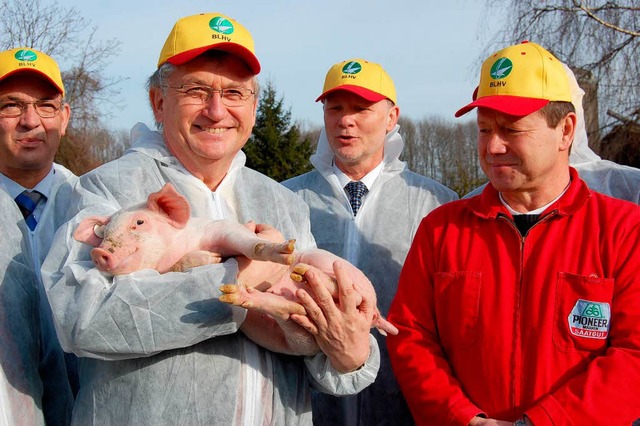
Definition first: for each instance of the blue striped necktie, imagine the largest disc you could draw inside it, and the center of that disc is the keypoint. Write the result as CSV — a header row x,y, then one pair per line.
x,y
356,191
27,202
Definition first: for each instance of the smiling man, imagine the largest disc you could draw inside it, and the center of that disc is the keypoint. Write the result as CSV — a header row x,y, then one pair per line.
x,y
519,306
160,348
366,206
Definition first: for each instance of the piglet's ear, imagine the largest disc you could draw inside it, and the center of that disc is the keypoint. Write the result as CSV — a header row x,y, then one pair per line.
x,y
85,231
170,203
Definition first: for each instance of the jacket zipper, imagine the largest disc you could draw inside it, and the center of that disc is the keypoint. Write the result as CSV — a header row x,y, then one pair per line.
x,y
517,352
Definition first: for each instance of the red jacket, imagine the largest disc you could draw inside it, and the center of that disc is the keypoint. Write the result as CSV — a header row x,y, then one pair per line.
x,y
547,325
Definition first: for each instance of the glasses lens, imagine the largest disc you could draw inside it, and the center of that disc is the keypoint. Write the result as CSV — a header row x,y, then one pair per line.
x,y
10,109
47,109
236,96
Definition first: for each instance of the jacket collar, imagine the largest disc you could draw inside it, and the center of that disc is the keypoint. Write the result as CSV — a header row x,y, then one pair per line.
x,y
488,206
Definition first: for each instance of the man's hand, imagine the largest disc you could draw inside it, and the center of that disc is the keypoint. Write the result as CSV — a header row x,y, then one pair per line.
x,y
341,328
481,421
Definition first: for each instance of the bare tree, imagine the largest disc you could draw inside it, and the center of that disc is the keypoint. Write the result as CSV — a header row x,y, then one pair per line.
x,y
83,151
64,34
444,151
410,136
598,39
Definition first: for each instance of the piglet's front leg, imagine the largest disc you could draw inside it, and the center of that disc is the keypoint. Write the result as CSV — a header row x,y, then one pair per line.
x,y
232,239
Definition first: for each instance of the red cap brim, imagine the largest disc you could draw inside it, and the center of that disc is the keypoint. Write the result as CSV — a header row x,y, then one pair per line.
x,y
511,105
367,94
235,49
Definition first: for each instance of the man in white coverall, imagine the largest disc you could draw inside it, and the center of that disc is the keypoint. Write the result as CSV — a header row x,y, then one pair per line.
x,y
22,389
160,348
360,145
33,118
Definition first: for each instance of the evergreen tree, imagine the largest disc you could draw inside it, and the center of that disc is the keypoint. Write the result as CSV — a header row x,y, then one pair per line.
x,y
276,147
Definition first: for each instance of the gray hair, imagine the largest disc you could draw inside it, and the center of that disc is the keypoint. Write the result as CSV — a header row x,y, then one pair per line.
x,y
159,80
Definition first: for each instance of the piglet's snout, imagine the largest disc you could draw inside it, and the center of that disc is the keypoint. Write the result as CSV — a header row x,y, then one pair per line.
x,y
104,260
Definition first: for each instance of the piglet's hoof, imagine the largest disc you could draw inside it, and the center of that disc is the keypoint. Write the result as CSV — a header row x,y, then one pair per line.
x,y
298,272
236,295
275,252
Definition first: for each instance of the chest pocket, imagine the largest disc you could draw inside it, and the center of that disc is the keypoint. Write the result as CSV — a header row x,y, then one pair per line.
x,y
457,305
582,315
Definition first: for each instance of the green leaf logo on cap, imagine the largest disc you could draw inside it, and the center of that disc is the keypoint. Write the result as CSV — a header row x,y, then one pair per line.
x,y
501,68
25,55
352,67
221,25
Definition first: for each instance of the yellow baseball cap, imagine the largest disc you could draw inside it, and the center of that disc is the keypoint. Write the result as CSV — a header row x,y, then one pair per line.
x,y
520,80
193,35
366,79
22,59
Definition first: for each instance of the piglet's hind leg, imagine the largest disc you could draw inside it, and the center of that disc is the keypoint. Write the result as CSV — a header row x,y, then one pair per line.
x,y
249,298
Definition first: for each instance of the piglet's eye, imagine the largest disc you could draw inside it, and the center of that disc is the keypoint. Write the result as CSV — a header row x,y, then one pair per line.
x,y
140,222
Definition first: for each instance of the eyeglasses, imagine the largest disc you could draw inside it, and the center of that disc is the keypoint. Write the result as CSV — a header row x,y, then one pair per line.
x,y
44,108
201,95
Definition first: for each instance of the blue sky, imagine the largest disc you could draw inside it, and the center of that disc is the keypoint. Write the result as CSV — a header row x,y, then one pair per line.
x,y
430,48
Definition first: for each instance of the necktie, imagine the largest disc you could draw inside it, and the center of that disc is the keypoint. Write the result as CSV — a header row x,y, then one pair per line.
x,y
356,191
27,202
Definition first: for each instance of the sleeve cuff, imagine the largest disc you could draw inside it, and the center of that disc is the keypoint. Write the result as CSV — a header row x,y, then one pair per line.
x,y
329,380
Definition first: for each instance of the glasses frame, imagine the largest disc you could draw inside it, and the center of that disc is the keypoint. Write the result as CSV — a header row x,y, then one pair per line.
x,y
22,105
245,94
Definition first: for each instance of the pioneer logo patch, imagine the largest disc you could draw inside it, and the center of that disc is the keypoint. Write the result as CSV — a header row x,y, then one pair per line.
x,y
590,319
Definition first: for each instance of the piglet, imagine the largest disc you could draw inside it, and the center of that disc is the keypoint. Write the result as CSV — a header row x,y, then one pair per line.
x,y
161,235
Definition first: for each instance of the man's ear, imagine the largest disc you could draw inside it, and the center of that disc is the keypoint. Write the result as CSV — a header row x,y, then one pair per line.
x,y
156,98
392,117
568,128
65,113
255,109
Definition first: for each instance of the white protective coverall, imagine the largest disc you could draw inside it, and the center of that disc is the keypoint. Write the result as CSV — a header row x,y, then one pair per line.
x,y
604,176
58,371
161,348
376,241
22,388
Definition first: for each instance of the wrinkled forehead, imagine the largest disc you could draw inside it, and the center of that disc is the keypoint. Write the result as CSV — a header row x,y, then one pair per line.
x,y
488,115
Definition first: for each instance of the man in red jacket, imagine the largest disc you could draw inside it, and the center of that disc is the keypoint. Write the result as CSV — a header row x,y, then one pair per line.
x,y
521,305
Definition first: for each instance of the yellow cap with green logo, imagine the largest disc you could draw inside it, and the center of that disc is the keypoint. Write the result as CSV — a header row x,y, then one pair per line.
x,y
23,59
520,80
193,35
366,79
